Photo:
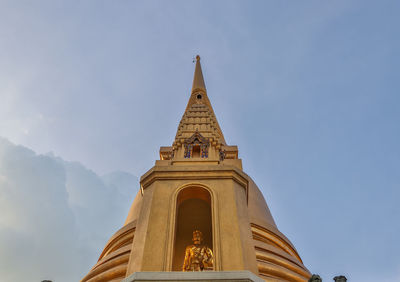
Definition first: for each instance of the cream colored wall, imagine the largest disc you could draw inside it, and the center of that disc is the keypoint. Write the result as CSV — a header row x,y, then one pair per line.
x,y
152,250
246,234
240,217
137,252
238,207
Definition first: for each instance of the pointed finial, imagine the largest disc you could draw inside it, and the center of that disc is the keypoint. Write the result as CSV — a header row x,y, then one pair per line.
x,y
198,80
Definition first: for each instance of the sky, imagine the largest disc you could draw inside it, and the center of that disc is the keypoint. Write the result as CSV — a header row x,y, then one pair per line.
x,y
308,90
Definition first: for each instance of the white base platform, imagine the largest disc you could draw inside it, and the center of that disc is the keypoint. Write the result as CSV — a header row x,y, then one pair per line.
x,y
205,276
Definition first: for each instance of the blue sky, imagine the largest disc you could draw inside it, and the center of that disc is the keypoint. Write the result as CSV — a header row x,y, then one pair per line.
x,y
308,90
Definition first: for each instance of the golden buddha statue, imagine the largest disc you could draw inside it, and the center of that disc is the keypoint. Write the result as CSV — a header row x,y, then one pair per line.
x,y
198,257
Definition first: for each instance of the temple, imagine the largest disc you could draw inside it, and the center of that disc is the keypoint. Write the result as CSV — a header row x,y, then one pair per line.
x,y
197,212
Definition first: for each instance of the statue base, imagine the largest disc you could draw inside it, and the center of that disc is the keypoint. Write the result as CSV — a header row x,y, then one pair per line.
x,y
203,276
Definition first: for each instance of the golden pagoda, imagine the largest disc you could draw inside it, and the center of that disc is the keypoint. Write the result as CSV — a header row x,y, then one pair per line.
x,y
198,187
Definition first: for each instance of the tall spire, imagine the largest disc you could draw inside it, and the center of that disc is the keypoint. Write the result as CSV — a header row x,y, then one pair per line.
x,y
199,114
198,87
198,80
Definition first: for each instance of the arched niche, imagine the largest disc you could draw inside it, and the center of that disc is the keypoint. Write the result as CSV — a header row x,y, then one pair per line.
x,y
193,212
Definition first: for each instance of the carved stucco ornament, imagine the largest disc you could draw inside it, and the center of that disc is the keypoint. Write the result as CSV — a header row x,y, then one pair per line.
x,y
315,278
196,140
340,278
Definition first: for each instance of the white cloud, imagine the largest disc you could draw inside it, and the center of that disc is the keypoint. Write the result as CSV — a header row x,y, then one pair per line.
x,y
55,216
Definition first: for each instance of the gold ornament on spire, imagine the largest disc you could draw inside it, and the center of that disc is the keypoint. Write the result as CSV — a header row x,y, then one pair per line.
x,y
199,113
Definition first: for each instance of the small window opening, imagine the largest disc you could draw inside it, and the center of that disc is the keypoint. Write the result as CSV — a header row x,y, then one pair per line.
x,y
193,212
199,96
196,151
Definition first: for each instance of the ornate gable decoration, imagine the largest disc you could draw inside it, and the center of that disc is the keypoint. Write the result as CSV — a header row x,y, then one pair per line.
x,y
196,138
196,143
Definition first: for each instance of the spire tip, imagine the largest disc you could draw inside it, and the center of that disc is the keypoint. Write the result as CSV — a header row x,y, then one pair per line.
x,y
197,58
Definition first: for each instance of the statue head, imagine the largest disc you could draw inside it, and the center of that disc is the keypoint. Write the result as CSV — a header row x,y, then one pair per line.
x,y
197,237
340,278
315,278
